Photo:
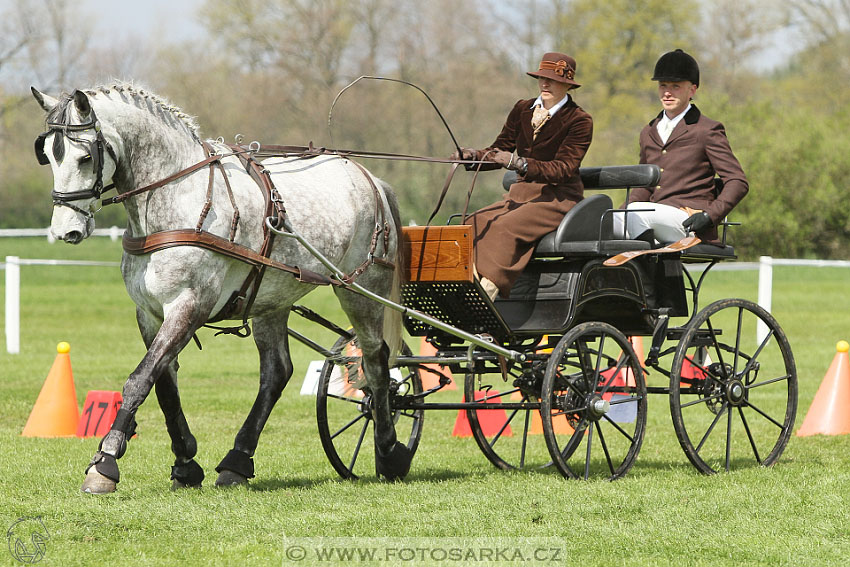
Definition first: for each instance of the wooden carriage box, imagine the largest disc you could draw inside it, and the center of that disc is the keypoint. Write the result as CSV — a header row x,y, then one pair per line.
x,y
438,253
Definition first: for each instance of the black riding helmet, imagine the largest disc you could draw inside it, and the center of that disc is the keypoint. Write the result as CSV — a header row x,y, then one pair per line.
x,y
676,66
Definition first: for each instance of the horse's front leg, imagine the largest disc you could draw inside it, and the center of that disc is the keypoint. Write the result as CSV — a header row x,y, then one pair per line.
x,y
271,338
181,320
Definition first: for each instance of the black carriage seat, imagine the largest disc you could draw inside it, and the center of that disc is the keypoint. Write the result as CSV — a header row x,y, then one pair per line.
x,y
587,229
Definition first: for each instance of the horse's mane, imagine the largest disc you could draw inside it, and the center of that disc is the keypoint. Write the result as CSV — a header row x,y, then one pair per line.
x,y
129,94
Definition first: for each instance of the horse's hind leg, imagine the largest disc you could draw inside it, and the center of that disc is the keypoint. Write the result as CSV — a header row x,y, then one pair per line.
x,y
270,336
392,458
163,344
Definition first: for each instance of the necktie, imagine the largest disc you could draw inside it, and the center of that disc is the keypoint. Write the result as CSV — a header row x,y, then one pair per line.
x,y
665,128
538,119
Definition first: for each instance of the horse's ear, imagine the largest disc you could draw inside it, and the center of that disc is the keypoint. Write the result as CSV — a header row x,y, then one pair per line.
x,y
81,101
46,102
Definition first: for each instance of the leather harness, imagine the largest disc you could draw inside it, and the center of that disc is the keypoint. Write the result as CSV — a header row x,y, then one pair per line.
x,y
243,299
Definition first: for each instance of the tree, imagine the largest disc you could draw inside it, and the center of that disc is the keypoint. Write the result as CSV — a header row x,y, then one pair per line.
x,y
616,45
738,31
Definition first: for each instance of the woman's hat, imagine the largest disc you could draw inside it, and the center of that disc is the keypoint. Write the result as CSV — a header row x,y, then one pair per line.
x,y
558,67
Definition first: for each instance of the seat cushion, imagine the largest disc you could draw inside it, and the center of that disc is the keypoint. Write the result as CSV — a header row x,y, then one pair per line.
x,y
706,252
549,246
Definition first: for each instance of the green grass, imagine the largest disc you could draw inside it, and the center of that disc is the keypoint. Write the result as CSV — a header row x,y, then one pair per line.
x,y
795,513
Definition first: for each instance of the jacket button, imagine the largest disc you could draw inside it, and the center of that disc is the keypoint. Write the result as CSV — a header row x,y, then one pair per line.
x,y
663,151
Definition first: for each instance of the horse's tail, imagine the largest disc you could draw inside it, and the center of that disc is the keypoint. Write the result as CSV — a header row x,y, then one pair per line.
x,y
392,317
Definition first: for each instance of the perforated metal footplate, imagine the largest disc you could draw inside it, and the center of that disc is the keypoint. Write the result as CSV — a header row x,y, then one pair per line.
x,y
459,304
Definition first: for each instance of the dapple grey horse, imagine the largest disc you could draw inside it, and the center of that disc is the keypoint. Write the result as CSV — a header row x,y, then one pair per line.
x,y
135,139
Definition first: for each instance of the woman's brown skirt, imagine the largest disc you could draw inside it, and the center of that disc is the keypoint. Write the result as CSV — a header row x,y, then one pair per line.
x,y
505,233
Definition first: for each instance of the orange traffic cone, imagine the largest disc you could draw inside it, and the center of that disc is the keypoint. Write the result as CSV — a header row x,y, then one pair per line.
x,y
55,413
490,421
829,413
637,345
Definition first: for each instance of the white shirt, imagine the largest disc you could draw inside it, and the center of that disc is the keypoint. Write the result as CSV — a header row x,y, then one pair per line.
x,y
665,125
556,107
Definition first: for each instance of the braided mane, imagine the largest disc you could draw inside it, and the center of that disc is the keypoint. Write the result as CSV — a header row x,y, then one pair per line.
x,y
154,103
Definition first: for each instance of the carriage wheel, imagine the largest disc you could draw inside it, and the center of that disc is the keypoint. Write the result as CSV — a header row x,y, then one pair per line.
x,y
733,395
594,403
509,438
344,411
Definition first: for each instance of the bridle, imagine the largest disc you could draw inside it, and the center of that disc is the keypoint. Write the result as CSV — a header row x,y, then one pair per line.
x,y
95,152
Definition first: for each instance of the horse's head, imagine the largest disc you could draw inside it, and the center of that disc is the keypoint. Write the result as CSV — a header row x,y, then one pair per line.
x,y
76,149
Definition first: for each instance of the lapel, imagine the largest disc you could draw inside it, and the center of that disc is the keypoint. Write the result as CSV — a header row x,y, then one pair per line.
x,y
653,131
690,118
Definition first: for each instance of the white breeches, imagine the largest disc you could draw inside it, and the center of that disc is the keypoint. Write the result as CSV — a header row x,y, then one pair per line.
x,y
664,220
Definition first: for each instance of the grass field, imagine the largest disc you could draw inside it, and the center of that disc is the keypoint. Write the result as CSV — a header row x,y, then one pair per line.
x,y
663,512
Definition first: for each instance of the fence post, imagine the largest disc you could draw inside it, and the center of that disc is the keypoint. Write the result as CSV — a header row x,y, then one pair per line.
x,y
13,305
765,293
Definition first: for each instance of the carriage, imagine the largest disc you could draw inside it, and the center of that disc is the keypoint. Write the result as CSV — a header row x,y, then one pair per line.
x,y
552,376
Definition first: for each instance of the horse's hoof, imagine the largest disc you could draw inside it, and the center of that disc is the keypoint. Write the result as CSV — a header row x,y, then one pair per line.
x,y
394,465
187,475
177,485
230,478
96,483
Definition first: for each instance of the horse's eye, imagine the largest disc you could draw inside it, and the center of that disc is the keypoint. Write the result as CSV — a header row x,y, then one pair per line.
x,y
85,158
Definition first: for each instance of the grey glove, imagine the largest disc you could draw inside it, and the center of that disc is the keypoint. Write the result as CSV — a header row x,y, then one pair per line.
x,y
697,222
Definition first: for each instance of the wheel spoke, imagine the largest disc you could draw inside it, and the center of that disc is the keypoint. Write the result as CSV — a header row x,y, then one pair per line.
x,y
614,374
599,354
755,356
749,435
697,366
349,424
358,445
587,457
739,330
604,447
711,427
618,428
766,382
504,426
525,428
701,400
344,398
717,347
767,417
728,438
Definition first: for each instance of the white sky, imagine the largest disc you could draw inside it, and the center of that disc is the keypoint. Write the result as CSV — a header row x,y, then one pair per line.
x,y
168,18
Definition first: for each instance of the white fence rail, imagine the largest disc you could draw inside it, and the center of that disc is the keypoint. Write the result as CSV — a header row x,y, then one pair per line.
x,y
13,284
112,232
